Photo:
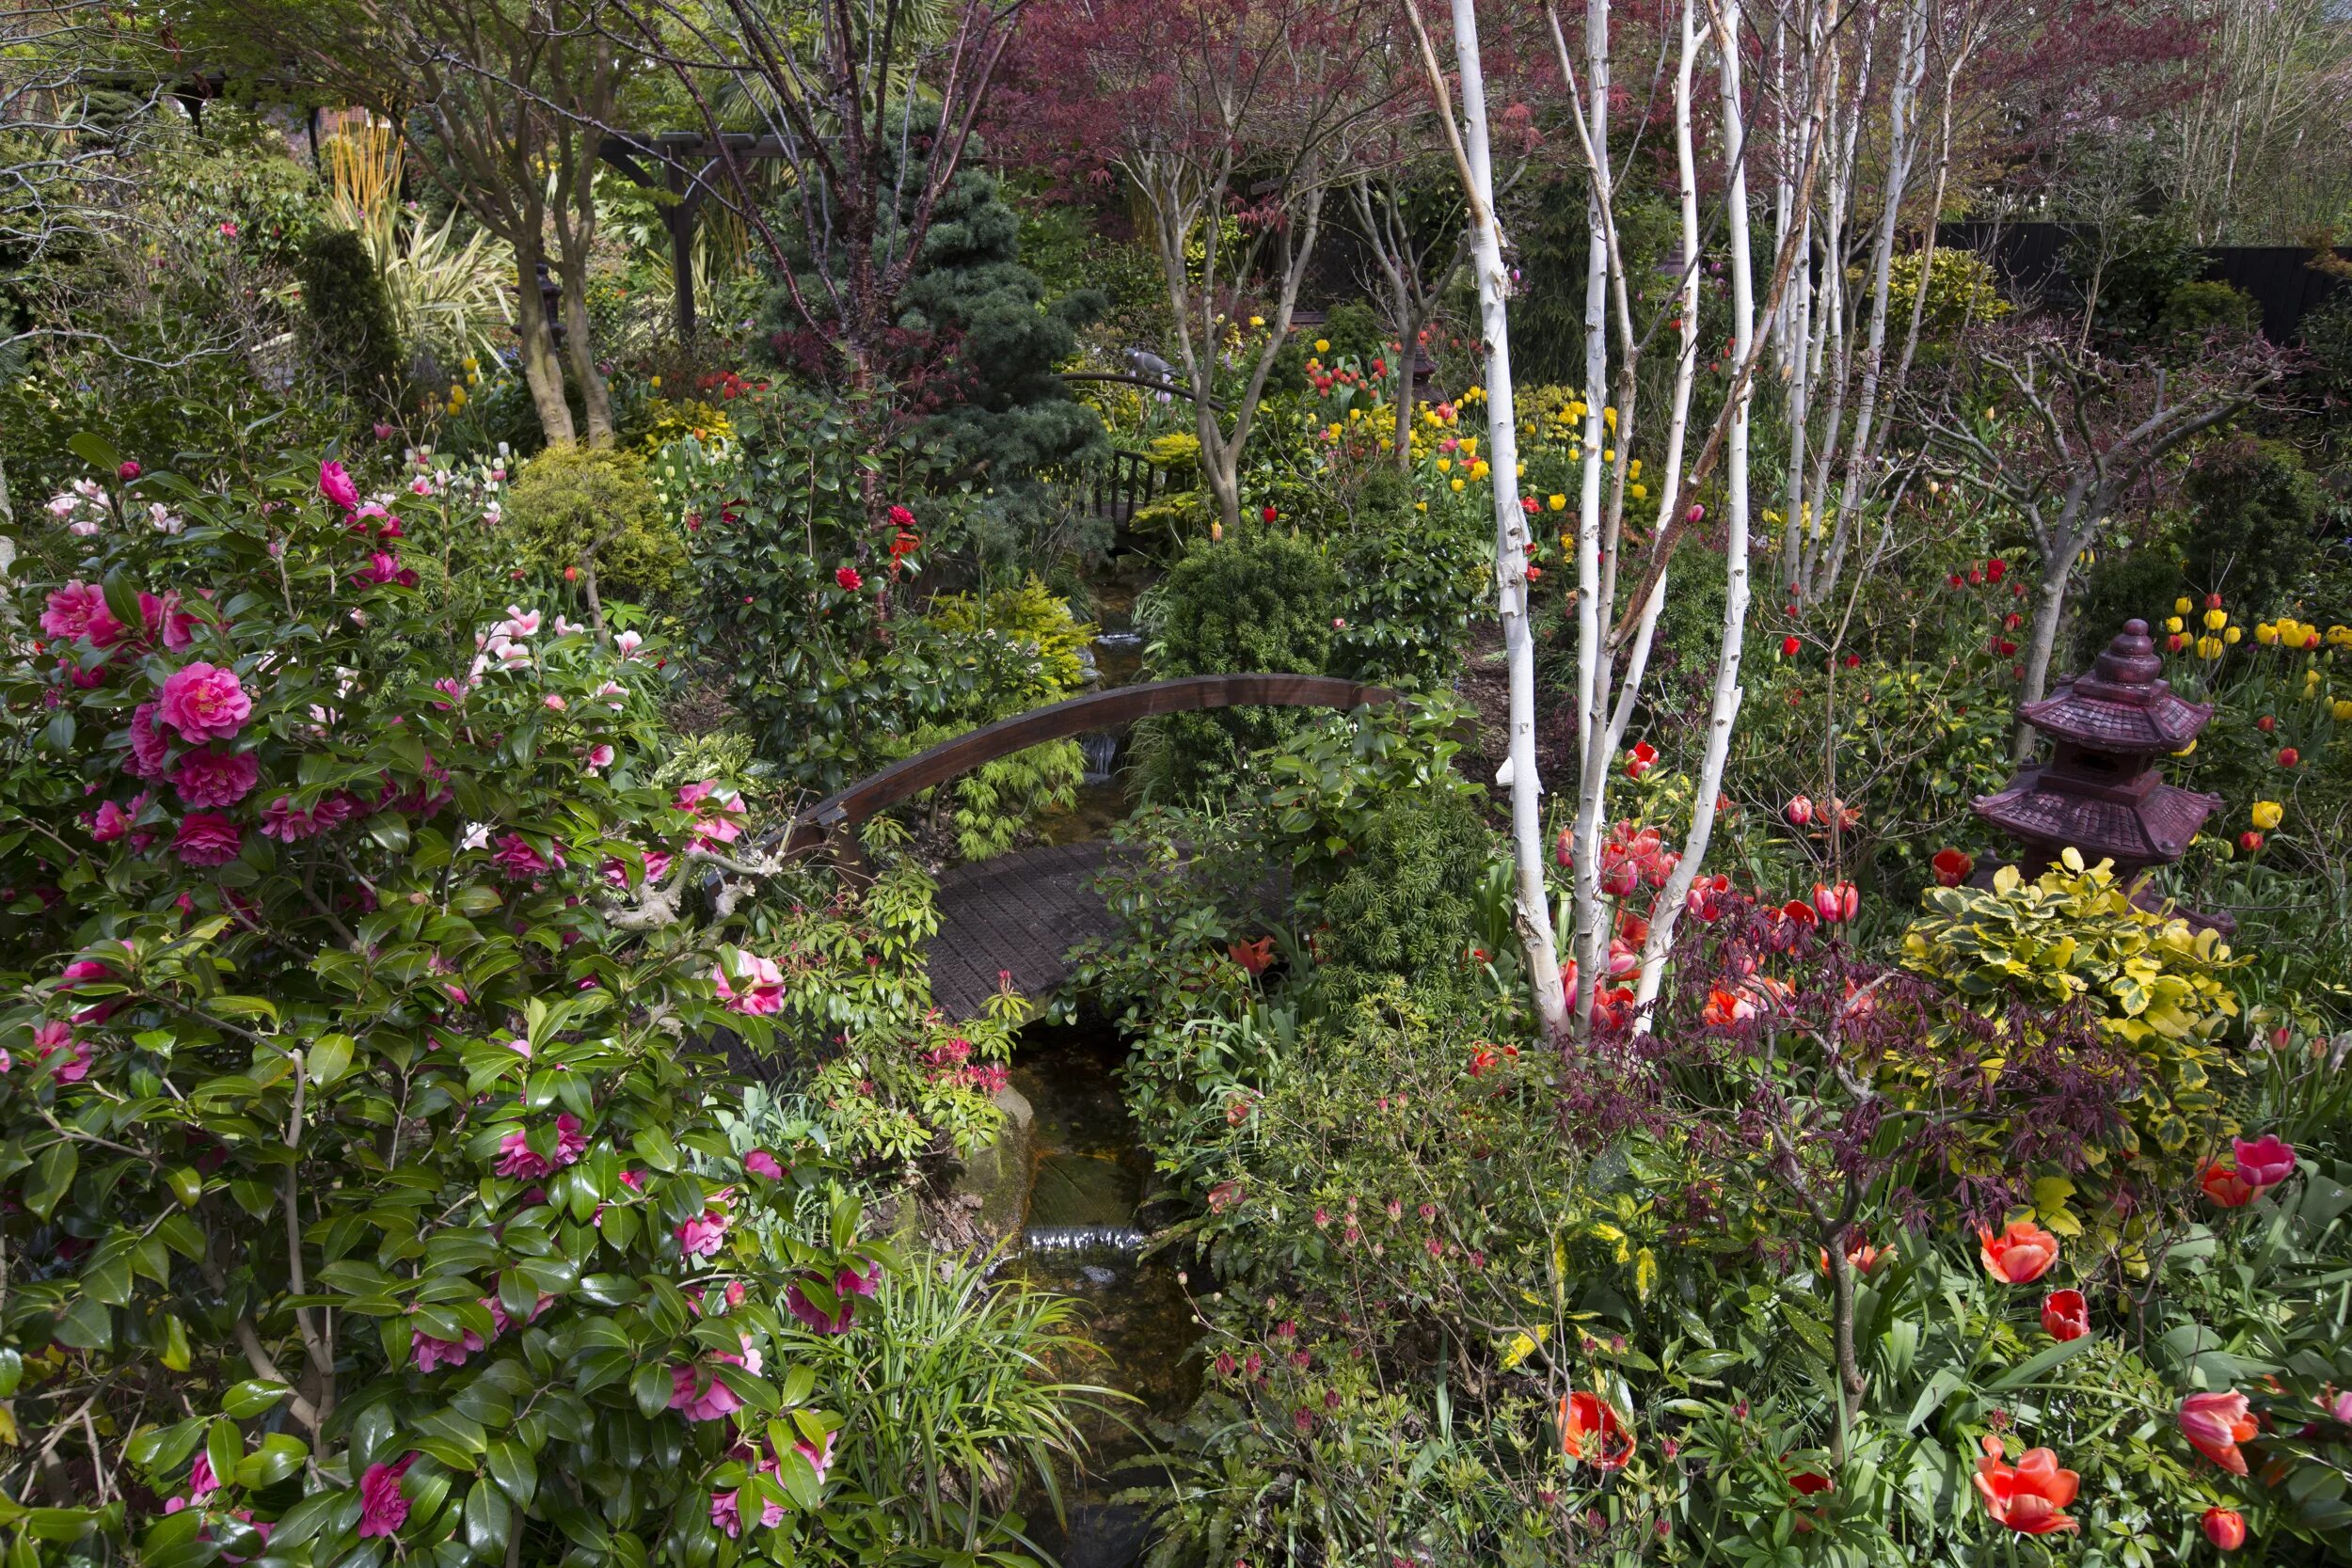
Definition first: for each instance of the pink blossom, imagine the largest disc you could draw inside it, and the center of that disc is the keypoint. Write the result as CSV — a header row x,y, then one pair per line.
x,y
760,1163
204,702
521,622
714,1400
848,1285
430,1354
2265,1161
555,703
148,744
600,757
208,838
165,619
203,1483
757,988
280,820
211,779
79,609
382,1509
111,823
384,569
518,1160
702,1235
54,1036
336,485
516,857
628,642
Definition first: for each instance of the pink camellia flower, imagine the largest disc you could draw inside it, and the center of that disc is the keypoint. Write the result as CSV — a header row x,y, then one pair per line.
x,y
55,1035
110,823
430,1354
280,820
2266,1161
600,757
336,485
208,838
210,779
382,1509
203,1483
756,988
383,570
698,1401
760,1163
519,1160
148,744
79,609
516,857
702,1235
204,703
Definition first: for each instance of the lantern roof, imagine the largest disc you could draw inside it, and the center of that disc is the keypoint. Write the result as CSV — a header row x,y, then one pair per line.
x,y
2120,704
2133,828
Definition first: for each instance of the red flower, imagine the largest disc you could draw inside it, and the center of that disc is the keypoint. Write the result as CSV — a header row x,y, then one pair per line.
x,y
2029,1496
1641,758
1799,811
2249,842
849,579
2215,1424
1789,645
2265,1161
1590,1430
2175,642
2289,757
2021,1254
1726,1008
1255,957
1837,905
2227,1185
2265,723
1800,911
1952,867
1269,514
2066,1315
2225,1528
1996,568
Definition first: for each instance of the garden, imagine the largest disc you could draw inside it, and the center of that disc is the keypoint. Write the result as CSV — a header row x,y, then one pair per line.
x,y
1220,784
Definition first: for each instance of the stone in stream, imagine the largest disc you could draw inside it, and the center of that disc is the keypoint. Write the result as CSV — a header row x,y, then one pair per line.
x,y
998,1175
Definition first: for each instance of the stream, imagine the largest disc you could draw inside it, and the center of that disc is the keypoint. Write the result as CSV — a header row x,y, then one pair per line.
x,y
1080,1235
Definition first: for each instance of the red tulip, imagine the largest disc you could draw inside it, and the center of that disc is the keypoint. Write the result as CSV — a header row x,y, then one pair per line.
x,y
2249,842
1269,514
2265,723
1799,811
1996,568
1640,759
1838,904
2226,1185
1789,645
2213,601
2021,1254
2029,1496
2266,1161
1800,911
2066,1315
2215,1424
1590,1430
1725,1007
1952,867
2289,757
2225,1528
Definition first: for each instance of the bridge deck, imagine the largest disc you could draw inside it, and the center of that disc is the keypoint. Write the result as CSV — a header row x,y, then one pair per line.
x,y
1017,915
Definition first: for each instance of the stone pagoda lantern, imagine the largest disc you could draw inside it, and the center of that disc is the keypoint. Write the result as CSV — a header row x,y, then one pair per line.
x,y
2101,791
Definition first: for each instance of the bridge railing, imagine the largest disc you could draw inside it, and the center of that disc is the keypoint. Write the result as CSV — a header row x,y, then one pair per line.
x,y
839,816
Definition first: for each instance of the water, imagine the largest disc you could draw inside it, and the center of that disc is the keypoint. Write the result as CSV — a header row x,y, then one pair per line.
x,y
1081,1236
1100,750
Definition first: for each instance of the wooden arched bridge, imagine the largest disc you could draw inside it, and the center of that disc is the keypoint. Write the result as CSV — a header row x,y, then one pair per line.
x,y
1019,914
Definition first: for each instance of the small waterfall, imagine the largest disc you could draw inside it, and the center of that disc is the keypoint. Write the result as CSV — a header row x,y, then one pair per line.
x,y
1101,751
1070,1238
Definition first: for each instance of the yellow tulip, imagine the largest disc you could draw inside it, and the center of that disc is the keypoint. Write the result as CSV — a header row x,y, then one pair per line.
x,y
2217,619
1323,346
1641,492
2342,710
1257,321
1559,504
1445,464
2209,647
2266,814
2173,624
2182,605
1455,482
2265,634
2233,635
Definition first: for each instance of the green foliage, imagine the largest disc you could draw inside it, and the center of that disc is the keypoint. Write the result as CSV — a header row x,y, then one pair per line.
x,y
1961,287
347,320
595,511
2136,264
2152,985
1410,583
2198,308
960,1405
1265,600
2254,528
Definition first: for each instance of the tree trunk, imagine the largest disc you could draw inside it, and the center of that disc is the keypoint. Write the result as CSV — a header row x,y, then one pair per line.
x,y
1532,908
542,369
579,344
2049,611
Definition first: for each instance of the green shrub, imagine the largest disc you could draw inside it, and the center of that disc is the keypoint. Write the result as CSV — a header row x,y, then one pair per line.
x,y
1266,600
347,319
2253,533
596,513
2196,308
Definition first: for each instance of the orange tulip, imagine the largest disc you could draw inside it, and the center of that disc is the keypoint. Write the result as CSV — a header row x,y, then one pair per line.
x,y
2215,1424
2225,1528
2027,1496
1255,957
2021,1254
1590,1430
2227,1185
1726,1008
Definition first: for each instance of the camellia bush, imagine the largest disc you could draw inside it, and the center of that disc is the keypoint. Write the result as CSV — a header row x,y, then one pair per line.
x,y
364,1197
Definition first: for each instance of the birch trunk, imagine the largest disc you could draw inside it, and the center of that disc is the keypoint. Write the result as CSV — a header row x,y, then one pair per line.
x,y
1532,912
1723,706
1589,605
